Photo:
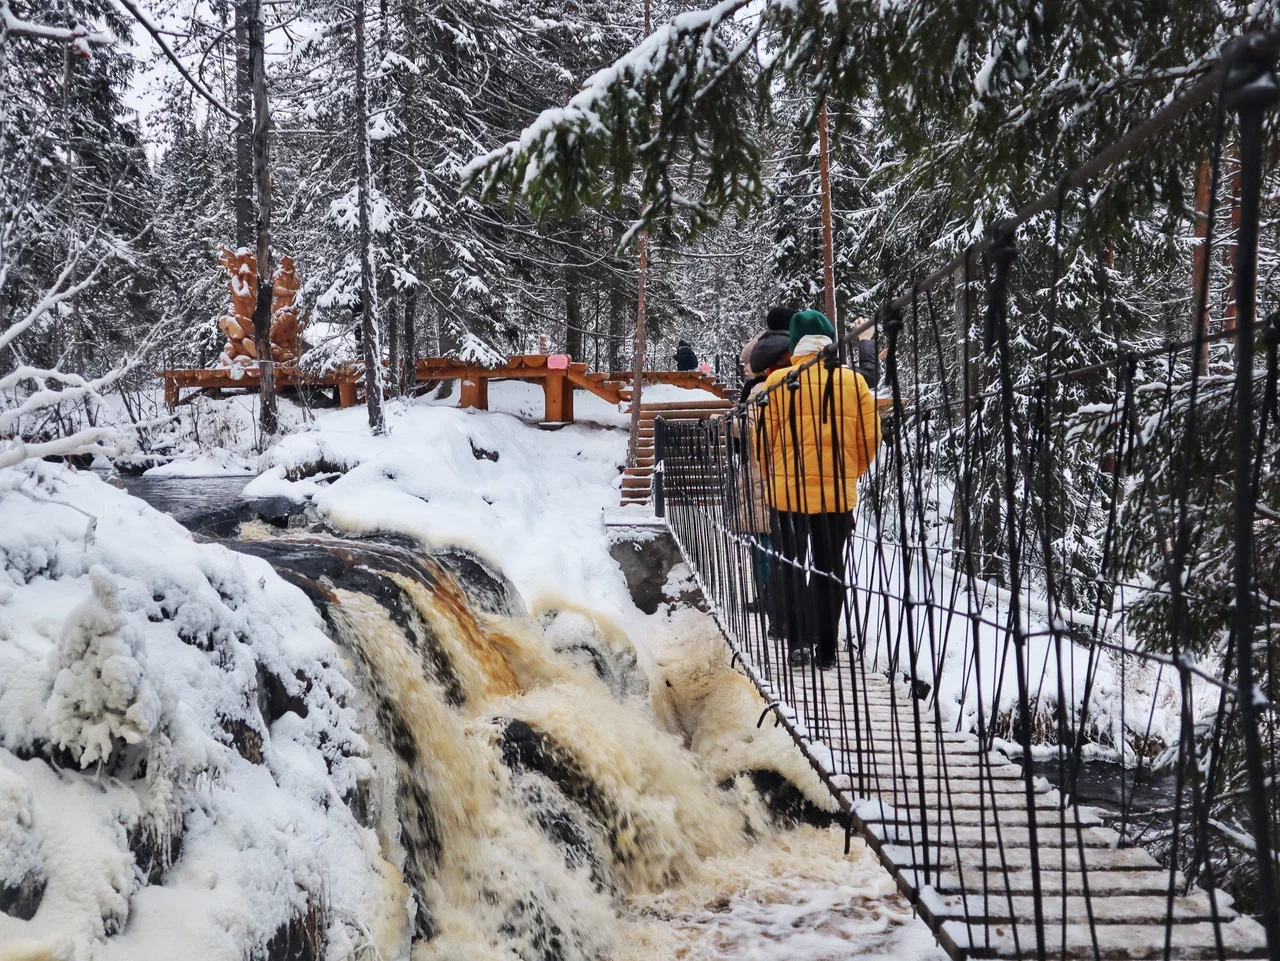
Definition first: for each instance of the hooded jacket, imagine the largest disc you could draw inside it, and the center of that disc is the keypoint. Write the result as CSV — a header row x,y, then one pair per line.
x,y
819,438
686,359
764,351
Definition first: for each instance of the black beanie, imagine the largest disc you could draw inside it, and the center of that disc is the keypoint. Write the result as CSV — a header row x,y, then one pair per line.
x,y
779,318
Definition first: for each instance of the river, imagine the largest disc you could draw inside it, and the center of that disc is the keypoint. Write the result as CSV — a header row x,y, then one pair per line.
x,y
544,811
186,497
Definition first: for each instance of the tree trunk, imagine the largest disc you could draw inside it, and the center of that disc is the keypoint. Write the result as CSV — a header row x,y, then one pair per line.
x,y
828,245
637,365
368,282
408,97
73,227
410,340
573,294
244,170
262,174
6,352
1229,248
393,349
1200,261
617,307
382,155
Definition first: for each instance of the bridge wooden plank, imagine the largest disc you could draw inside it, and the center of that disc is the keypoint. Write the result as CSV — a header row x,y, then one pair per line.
x,y
951,773
1242,938
1051,882
1047,818
1019,858
974,806
883,783
1112,909
974,836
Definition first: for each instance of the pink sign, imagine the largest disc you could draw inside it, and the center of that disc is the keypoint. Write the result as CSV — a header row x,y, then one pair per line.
x,y
558,362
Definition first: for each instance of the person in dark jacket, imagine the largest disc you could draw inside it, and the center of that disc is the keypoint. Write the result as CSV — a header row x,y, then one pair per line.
x,y
686,359
761,355
868,357
767,349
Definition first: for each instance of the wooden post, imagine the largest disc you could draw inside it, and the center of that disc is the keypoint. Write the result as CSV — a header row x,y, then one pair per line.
x,y
557,392
171,392
1200,261
475,391
566,403
637,367
346,393
828,244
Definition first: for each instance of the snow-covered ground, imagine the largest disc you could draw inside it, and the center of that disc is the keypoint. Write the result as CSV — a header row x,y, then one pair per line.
x,y
1131,700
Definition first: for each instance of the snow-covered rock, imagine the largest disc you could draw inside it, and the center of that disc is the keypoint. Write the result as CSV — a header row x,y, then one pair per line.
x,y
132,668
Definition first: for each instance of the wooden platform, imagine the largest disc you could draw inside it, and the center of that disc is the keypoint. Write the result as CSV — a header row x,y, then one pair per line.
x,y
558,377
953,826
215,380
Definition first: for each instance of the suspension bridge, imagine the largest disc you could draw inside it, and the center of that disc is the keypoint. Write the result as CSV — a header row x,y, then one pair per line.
x,y
1051,562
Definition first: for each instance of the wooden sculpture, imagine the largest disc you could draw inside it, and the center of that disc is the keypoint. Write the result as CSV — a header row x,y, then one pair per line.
x,y
286,322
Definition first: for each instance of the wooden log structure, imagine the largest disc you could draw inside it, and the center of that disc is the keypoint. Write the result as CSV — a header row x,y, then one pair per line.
x,y
558,375
558,385
214,380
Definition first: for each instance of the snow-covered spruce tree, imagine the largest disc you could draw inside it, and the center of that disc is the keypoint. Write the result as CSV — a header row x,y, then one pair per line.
x,y
76,189
194,176
57,356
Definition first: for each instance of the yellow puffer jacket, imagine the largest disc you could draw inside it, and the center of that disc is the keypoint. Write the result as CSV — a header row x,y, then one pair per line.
x,y
826,478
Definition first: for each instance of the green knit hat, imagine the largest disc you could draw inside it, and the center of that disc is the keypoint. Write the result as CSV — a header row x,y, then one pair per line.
x,y
810,323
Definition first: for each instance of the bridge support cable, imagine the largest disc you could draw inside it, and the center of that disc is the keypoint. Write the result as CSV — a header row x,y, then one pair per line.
x,y
1021,629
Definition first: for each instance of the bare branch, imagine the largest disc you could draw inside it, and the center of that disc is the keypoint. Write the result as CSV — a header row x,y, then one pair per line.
x,y
140,15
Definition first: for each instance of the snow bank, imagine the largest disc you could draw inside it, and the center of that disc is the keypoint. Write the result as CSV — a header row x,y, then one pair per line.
x,y
531,502
1133,709
152,693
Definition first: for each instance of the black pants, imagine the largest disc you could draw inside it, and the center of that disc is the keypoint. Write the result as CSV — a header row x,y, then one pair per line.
x,y
811,606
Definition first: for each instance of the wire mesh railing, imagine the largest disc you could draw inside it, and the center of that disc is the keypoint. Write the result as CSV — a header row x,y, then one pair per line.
x,y
1034,553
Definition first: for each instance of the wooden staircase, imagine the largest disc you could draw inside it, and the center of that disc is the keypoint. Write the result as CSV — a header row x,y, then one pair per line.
x,y
637,480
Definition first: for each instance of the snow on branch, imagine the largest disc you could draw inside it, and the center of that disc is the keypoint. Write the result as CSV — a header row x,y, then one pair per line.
x,y
16,27
29,393
649,108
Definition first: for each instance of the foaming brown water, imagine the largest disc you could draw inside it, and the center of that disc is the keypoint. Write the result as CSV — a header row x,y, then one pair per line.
x,y
539,813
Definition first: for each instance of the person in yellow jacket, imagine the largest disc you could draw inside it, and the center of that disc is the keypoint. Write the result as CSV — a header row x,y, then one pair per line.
x,y
821,433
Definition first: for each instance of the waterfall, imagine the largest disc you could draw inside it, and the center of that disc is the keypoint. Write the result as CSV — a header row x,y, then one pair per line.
x,y
519,777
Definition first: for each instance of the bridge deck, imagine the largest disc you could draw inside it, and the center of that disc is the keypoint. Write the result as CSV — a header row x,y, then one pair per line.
x,y
952,823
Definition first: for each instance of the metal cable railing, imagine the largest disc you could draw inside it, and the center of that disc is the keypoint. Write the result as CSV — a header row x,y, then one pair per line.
x,y
1037,556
